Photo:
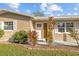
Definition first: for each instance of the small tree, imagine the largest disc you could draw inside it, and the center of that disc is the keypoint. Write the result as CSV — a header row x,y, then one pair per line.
x,y
1,33
51,25
74,35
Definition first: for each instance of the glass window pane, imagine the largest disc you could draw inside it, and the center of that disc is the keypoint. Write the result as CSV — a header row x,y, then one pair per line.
x,y
68,29
38,25
8,25
61,24
69,24
61,29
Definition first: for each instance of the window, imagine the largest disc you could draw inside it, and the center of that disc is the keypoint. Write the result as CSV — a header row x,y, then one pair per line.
x,y
8,25
61,27
69,26
65,27
38,25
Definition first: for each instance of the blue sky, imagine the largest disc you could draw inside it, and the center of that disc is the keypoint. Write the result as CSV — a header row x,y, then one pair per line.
x,y
53,9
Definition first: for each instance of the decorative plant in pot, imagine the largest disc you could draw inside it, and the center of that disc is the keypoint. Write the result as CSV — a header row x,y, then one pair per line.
x,y
33,37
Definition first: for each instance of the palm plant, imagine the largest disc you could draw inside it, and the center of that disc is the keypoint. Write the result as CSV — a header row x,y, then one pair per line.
x,y
51,25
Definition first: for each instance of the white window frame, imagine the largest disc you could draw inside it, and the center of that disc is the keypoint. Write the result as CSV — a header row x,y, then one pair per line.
x,y
14,25
64,27
41,25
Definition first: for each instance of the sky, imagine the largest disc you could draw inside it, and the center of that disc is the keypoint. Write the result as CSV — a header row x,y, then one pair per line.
x,y
49,9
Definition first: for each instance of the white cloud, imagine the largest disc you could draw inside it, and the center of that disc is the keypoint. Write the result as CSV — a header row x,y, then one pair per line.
x,y
51,14
43,6
75,13
28,11
58,14
55,7
14,6
50,9
76,8
69,14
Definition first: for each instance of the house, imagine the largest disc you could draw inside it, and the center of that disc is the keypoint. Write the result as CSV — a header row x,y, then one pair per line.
x,y
11,22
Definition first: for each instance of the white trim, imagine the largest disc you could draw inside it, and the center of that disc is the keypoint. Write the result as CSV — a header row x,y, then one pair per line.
x,y
14,24
1,24
37,27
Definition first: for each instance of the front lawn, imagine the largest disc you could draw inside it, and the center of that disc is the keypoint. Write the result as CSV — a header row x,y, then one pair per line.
x,y
18,50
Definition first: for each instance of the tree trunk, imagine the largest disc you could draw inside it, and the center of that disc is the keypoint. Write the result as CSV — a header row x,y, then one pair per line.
x,y
64,37
77,42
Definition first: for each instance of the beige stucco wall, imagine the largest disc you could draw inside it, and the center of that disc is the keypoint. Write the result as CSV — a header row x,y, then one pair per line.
x,y
22,23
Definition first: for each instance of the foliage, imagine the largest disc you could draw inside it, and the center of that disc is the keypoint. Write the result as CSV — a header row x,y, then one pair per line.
x,y
33,37
38,13
74,35
19,37
18,50
51,25
1,33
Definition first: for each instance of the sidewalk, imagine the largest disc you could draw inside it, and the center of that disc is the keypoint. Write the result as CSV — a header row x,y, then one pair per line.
x,y
60,42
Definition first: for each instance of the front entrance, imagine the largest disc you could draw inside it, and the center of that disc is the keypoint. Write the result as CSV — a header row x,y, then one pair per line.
x,y
45,30
41,29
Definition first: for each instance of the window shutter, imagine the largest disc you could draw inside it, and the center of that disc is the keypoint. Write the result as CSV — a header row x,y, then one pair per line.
x,y
14,25
1,25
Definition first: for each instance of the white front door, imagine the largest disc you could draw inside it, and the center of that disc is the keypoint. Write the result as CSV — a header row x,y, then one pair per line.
x,y
39,27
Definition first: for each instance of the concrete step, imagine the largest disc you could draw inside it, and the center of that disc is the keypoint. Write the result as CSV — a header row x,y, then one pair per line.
x,y
41,41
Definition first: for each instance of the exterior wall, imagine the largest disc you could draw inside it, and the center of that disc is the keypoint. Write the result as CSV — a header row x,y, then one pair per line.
x,y
22,23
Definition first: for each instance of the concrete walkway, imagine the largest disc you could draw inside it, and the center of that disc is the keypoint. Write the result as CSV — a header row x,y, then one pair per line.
x,y
59,42
68,43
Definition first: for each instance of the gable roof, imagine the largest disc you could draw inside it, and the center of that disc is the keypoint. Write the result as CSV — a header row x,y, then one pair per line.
x,y
4,11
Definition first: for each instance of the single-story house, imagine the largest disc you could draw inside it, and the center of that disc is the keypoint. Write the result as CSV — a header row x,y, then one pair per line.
x,y
11,22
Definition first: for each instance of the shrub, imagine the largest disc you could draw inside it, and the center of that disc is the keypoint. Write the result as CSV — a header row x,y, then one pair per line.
x,y
1,33
19,37
74,35
33,37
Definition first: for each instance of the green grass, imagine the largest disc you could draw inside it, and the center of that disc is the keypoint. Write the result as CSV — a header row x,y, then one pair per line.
x,y
17,50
